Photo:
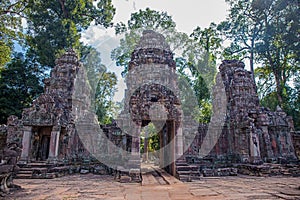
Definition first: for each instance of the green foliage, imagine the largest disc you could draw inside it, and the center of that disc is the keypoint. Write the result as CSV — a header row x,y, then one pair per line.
x,y
55,26
5,51
10,27
242,29
208,38
270,101
91,60
104,105
153,138
203,113
193,86
145,20
201,53
295,102
278,50
19,84
201,90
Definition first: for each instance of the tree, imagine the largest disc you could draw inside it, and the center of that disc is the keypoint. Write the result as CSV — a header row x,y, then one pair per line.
x,y
54,26
102,84
278,49
242,28
264,31
20,83
104,105
11,13
91,60
295,102
198,67
201,53
193,85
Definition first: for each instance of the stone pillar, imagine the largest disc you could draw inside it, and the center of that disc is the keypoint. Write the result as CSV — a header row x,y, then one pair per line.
x,y
146,141
173,147
161,149
135,161
54,144
26,141
135,145
179,141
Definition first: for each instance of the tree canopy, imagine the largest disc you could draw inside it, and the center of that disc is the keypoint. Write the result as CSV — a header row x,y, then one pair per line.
x,y
54,26
20,83
11,13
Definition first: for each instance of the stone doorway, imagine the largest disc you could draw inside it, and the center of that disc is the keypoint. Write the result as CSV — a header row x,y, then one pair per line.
x,y
163,154
41,143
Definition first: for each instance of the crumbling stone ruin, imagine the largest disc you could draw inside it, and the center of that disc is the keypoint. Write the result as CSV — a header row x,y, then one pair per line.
x,y
152,96
244,132
47,133
242,135
296,142
48,126
251,134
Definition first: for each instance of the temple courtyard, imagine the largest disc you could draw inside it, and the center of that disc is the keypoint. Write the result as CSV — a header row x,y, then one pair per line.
x,y
157,187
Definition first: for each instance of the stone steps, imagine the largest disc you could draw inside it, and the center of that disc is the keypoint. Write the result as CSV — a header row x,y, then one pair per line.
x,y
32,170
37,170
186,172
23,176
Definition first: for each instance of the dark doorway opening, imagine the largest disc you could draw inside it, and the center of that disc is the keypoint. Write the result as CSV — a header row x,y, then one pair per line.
x,y
41,143
44,150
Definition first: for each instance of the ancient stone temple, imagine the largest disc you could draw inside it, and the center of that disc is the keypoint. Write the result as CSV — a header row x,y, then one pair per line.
x,y
152,96
47,130
61,129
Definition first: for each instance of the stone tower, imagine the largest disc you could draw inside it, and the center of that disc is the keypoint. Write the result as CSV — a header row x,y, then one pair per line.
x,y
48,126
250,133
152,96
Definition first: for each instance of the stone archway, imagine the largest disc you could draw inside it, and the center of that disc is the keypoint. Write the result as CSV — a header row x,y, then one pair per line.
x,y
158,104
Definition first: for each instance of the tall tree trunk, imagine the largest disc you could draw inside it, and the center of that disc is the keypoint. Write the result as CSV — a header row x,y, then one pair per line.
x,y
252,59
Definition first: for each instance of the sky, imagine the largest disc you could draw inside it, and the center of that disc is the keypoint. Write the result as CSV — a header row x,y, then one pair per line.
x,y
187,14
